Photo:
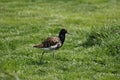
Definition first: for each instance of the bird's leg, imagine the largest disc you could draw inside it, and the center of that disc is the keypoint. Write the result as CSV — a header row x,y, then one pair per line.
x,y
53,54
42,56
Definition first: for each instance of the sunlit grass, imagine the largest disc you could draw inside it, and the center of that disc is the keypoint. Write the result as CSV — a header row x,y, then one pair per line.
x,y
92,52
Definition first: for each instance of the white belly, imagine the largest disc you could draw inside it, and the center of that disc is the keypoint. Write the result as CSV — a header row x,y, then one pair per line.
x,y
52,47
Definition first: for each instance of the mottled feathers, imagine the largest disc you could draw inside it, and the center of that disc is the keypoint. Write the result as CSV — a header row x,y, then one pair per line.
x,y
50,42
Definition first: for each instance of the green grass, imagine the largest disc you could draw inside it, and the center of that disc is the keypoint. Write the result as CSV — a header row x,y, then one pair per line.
x,y
92,52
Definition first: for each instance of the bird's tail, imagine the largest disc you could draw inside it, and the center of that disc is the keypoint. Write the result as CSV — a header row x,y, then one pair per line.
x,y
35,46
38,46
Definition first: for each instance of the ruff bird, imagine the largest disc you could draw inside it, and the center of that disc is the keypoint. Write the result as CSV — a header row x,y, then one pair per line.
x,y
52,43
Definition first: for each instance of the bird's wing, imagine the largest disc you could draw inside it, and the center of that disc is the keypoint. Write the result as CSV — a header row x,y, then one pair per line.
x,y
50,41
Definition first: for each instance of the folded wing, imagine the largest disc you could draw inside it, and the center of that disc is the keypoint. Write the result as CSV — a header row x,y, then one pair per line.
x,y
50,42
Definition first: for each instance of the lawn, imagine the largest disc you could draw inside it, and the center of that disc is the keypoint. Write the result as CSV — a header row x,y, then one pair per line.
x,y
92,52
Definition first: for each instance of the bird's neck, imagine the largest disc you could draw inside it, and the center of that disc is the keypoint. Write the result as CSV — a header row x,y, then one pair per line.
x,y
62,38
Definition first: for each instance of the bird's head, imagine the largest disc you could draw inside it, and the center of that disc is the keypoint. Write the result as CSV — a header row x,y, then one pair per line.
x,y
64,31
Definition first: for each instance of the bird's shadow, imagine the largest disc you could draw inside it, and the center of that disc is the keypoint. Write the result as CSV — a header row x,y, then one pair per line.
x,y
38,62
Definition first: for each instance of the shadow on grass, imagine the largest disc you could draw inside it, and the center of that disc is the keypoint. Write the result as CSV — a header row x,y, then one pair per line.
x,y
38,62
105,37
93,39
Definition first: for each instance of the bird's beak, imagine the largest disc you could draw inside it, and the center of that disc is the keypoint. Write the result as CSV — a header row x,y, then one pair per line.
x,y
69,33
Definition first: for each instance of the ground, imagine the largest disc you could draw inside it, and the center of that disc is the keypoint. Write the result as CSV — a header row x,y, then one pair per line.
x,y
92,52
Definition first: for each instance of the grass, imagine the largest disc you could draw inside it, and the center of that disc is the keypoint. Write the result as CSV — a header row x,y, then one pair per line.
x,y
91,53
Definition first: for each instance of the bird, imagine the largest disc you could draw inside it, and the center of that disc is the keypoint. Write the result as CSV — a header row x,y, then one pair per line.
x,y
52,43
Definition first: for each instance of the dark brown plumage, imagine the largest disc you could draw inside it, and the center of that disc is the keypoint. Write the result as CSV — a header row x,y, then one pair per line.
x,y
50,41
